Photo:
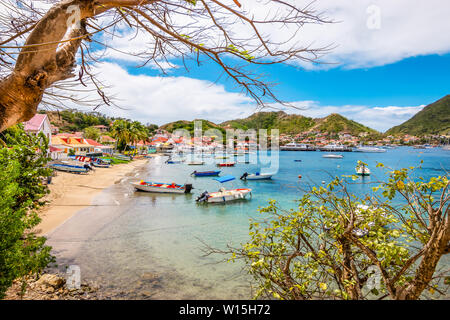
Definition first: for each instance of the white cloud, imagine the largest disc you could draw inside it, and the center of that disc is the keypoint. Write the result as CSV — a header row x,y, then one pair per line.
x,y
164,99
407,28
380,118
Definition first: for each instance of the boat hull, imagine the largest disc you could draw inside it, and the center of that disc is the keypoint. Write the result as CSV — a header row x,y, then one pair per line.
x,y
258,177
228,195
206,174
159,189
69,168
226,164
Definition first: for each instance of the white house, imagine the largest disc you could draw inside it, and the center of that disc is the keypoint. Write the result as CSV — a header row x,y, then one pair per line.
x,y
39,123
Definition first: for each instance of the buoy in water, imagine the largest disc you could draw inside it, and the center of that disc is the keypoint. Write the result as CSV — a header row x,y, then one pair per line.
x,y
299,176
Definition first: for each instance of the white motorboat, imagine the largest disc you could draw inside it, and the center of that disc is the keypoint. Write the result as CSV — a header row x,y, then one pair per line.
x,y
292,146
333,156
256,176
362,170
369,149
196,163
224,195
162,187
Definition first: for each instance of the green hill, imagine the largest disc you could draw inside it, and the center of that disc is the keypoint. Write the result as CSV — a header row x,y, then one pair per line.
x,y
189,126
335,123
433,119
293,123
286,123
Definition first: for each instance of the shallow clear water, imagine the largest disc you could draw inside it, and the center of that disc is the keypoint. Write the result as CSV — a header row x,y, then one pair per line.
x,y
143,245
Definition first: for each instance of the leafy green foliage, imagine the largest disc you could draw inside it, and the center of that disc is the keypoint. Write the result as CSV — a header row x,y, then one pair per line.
x,y
336,245
22,170
126,132
91,133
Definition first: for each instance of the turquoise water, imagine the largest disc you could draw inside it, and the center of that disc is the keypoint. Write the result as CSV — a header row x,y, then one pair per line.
x,y
142,245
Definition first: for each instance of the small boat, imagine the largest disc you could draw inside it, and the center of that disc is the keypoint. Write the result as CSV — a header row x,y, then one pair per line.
x,y
369,149
333,156
170,161
196,163
100,165
205,173
362,170
68,168
122,157
226,164
297,160
224,195
256,176
162,187
76,163
221,157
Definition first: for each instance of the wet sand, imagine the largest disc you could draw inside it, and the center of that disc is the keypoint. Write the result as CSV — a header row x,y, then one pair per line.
x,y
70,192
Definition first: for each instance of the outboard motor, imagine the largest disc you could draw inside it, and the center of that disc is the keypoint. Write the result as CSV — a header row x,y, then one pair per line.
x,y
87,166
244,176
187,188
203,197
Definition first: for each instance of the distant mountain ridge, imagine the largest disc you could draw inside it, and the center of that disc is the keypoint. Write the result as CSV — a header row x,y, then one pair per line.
x,y
294,123
286,123
433,119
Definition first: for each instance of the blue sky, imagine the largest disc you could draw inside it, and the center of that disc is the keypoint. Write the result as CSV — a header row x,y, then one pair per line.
x,y
380,76
409,82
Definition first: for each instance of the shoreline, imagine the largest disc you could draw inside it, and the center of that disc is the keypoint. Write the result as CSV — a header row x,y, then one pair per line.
x,y
70,193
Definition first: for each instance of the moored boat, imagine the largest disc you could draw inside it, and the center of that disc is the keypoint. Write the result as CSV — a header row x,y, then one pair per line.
x,y
292,146
256,176
196,163
206,173
226,164
362,170
68,168
333,156
224,195
369,149
162,187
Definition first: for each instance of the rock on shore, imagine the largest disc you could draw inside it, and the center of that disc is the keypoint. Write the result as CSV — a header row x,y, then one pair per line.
x,y
51,287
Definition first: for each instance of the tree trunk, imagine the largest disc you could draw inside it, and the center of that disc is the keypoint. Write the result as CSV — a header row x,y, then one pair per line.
x,y
435,248
48,56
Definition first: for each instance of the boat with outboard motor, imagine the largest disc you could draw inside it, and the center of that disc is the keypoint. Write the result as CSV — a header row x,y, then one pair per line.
x,y
256,176
224,195
162,187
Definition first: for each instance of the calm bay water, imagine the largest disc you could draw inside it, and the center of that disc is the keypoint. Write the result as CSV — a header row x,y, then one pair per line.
x,y
143,245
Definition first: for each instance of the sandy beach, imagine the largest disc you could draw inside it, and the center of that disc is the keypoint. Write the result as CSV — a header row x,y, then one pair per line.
x,y
70,192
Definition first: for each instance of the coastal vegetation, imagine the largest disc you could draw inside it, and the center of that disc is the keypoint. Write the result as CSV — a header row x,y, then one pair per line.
x,y
336,245
434,119
22,176
189,126
126,132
